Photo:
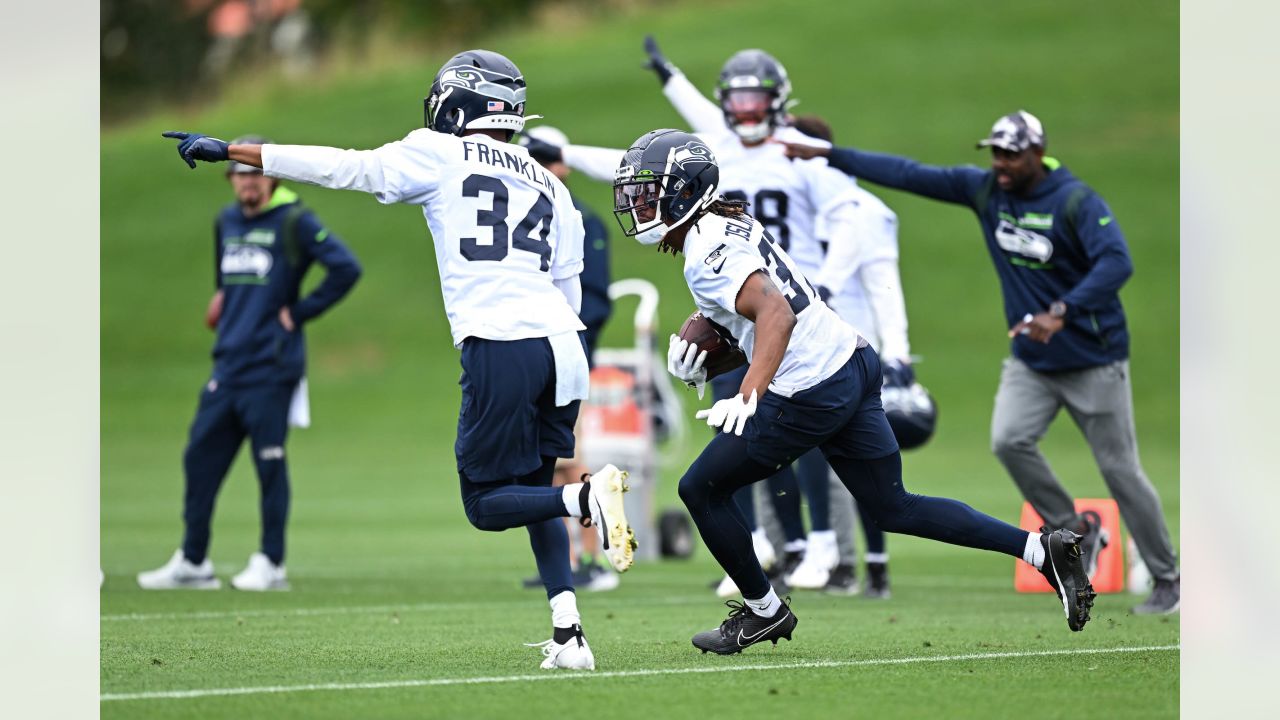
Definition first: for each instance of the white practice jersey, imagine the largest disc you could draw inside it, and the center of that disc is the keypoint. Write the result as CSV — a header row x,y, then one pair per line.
x,y
504,228
842,236
720,253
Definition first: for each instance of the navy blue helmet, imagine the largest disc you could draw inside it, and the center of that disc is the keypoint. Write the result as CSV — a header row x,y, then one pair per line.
x,y
911,411
753,91
666,179
476,90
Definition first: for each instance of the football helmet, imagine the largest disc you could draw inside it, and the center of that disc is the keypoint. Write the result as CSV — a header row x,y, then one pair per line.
x,y
476,90
666,179
911,411
753,91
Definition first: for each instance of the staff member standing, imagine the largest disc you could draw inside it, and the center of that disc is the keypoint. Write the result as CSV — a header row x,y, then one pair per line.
x,y
264,243
1061,259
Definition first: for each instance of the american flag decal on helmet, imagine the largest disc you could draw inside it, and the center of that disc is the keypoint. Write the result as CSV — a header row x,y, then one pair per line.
x,y
495,106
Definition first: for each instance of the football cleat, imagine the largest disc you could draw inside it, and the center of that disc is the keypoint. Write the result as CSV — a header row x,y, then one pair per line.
x,y
180,574
1065,572
842,580
743,628
821,555
877,581
617,538
573,654
1166,598
260,575
594,577
1093,540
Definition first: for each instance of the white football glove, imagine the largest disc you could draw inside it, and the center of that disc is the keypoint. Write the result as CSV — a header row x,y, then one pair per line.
x,y
732,413
684,362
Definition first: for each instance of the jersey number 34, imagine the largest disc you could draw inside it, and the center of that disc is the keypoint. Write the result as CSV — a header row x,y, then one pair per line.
x,y
495,218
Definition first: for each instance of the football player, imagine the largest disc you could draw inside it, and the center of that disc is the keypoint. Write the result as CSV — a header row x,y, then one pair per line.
x,y
841,235
813,382
509,249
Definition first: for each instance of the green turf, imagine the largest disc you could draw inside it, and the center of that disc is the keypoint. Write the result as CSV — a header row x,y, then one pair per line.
x,y
376,522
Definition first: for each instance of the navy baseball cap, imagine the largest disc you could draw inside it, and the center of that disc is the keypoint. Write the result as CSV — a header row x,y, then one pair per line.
x,y
1015,132
234,167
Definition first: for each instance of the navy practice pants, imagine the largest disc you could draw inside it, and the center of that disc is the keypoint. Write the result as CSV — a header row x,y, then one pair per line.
x,y
843,416
224,418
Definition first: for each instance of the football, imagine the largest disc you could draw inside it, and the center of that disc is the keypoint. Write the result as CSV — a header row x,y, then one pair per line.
x,y
723,353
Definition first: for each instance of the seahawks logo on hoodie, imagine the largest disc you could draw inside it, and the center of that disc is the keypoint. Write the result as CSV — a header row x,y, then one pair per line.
x,y
246,260
1021,241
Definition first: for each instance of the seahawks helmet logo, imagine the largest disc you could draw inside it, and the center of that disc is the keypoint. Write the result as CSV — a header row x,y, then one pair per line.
x,y
690,152
486,83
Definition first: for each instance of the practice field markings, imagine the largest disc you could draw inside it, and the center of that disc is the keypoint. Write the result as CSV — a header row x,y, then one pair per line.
x,y
437,682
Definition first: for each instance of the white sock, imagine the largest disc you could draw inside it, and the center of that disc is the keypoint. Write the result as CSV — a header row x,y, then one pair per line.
x,y
1033,552
766,606
569,495
877,558
564,610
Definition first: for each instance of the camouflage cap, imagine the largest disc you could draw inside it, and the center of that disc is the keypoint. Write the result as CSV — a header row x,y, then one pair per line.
x,y
1015,132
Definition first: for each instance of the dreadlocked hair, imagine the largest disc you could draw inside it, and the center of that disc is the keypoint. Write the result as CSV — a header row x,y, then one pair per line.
x,y
724,207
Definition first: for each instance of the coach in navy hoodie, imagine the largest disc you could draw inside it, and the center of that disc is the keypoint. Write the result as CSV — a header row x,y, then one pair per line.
x,y
1061,259
264,243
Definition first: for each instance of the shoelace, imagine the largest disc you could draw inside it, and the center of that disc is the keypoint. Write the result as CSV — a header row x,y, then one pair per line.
x,y
738,614
547,646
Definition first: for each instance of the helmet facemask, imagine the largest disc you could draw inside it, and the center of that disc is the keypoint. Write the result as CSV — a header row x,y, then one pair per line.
x,y
648,204
750,113
635,205
753,92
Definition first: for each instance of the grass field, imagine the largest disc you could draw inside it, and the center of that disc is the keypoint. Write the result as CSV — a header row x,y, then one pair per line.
x,y
401,609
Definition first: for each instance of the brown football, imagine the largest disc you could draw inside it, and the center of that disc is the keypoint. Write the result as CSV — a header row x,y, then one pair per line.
x,y
723,353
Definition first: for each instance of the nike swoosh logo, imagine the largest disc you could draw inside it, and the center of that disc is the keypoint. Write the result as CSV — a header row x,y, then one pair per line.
x,y
599,511
717,268
752,638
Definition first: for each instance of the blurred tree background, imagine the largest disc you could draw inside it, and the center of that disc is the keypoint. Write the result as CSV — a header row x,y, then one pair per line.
x,y
161,52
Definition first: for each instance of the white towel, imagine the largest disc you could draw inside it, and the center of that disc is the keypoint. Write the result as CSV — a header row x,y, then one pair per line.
x,y
573,377
300,406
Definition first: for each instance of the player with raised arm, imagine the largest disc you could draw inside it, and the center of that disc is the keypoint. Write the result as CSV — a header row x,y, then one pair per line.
x,y
813,381
840,235
798,203
508,245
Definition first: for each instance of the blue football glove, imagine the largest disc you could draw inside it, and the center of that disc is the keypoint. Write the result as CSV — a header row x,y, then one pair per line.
x,y
194,146
657,61
898,373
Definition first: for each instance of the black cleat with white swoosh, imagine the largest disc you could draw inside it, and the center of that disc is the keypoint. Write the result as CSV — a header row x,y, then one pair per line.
x,y
743,628
1064,569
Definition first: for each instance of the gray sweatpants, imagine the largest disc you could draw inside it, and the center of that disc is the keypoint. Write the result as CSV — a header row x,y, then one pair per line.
x,y
1100,400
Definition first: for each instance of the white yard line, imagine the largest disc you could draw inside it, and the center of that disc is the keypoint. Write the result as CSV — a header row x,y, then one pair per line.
x,y
435,682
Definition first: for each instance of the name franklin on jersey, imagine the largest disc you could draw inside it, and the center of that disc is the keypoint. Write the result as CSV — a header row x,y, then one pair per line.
x,y
493,156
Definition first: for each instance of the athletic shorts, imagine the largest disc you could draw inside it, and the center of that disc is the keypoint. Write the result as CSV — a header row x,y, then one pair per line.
x,y
509,420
